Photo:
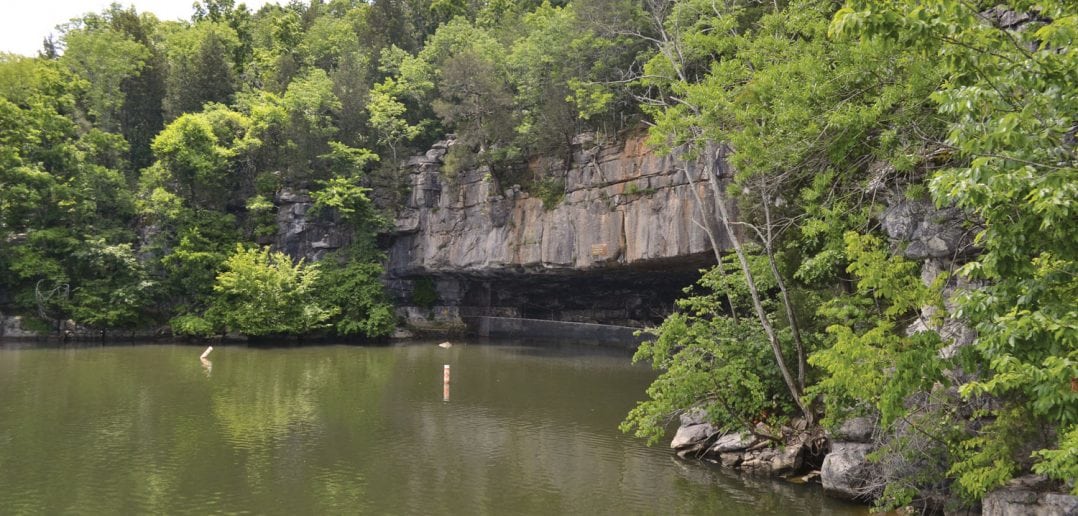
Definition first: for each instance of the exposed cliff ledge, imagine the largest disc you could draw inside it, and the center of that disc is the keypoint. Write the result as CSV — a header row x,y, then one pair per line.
x,y
623,206
616,249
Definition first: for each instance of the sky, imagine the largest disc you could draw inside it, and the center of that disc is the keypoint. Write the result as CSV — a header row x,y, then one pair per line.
x,y
25,23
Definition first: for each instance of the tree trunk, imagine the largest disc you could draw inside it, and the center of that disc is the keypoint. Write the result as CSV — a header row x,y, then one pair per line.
x,y
711,156
786,302
710,232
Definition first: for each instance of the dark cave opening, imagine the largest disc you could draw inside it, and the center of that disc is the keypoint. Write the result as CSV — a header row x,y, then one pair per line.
x,y
639,295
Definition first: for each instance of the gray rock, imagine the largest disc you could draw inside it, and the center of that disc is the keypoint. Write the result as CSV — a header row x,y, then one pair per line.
x,y
858,430
789,460
731,442
435,154
692,435
693,416
846,472
292,196
471,223
731,459
12,327
1026,496
926,231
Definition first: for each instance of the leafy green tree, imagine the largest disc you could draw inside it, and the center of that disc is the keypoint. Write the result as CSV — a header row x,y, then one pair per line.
x,y
712,360
201,154
312,108
105,58
200,67
1008,101
262,292
475,101
351,283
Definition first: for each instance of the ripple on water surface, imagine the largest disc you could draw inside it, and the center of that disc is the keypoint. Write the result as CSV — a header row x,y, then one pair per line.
x,y
340,429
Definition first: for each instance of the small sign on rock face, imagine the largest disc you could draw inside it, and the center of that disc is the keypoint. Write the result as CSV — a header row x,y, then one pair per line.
x,y
598,250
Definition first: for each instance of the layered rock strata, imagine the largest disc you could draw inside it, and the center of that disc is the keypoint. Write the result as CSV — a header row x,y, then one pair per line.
x,y
616,248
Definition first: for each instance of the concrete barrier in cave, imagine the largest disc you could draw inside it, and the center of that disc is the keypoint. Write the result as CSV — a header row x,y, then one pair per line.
x,y
562,331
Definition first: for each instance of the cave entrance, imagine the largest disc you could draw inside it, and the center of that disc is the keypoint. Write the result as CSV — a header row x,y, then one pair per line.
x,y
626,296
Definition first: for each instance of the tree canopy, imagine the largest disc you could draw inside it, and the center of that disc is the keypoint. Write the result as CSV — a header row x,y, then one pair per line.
x,y
143,162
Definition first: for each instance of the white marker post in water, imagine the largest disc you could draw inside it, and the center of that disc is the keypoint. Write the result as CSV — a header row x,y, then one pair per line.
x,y
206,353
445,383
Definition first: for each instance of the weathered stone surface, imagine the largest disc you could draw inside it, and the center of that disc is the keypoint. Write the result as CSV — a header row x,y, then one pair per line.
x,y
731,460
858,430
926,231
758,462
789,460
303,234
611,215
617,249
12,327
691,436
846,472
1025,496
693,417
731,442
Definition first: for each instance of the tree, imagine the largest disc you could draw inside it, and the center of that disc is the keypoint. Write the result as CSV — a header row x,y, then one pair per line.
x,y
200,68
1009,102
204,154
261,292
474,100
142,115
105,58
711,361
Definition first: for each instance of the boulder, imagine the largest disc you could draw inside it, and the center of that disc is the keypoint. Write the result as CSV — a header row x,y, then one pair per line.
x,y
846,472
1025,496
12,327
789,460
759,462
731,460
692,436
858,430
694,416
731,442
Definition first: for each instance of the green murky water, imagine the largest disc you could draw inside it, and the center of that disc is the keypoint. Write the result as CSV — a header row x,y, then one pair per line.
x,y
341,429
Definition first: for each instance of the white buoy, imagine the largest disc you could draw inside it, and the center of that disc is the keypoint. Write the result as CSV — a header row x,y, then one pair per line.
x,y
206,353
445,383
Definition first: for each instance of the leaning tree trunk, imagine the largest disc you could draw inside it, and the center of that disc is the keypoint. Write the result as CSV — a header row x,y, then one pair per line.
x,y
710,158
787,303
710,232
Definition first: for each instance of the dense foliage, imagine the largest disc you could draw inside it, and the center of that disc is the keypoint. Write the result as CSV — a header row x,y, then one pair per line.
x,y
136,152
142,162
964,104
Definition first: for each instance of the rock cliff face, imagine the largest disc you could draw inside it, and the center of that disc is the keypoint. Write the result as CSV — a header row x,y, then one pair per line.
x,y
617,248
301,235
623,205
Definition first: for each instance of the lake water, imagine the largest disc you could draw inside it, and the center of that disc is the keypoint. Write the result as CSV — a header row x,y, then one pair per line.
x,y
123,429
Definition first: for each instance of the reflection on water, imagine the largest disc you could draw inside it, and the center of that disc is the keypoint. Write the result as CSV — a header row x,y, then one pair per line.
x,y
529,430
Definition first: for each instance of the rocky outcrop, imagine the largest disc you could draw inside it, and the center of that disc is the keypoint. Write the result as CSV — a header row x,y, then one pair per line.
x,y
690,439
623,205
617,248
926,231
302,233
846,471
1028,496
856,429
12,327
791,451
